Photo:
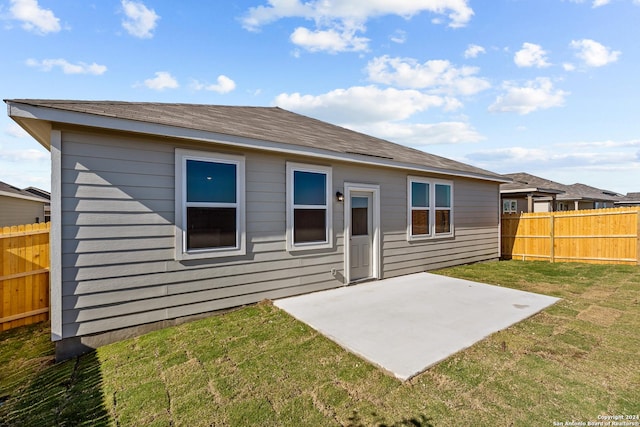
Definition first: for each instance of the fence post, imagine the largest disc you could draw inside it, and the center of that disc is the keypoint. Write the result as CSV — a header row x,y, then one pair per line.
x,y
638,231
551,237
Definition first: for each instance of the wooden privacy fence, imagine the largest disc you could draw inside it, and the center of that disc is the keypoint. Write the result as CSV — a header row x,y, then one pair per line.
x,y
24,275
599,236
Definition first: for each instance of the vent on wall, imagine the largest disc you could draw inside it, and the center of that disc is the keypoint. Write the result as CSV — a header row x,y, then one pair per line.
x,y
369,155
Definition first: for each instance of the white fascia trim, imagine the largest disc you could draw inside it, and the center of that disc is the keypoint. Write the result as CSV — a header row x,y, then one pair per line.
x,y
20,196
114,123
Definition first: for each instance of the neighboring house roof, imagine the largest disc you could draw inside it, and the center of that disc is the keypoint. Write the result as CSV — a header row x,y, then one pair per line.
x,y
39,192
524,183
593,193
629,199
11,191
270,128
577,191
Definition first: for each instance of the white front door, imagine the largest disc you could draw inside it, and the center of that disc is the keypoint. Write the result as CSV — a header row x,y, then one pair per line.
x,y
361,236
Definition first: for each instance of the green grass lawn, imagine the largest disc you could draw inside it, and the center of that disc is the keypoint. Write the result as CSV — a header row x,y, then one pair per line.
x,y
258,366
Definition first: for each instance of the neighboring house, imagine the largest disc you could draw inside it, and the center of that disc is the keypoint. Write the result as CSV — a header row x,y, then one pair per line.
x,y
163,212
530,193
520,197
631,199
18,207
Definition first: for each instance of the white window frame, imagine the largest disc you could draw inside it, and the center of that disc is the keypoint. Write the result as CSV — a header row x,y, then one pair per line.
x,y
431,209
293,167
181,157
512,207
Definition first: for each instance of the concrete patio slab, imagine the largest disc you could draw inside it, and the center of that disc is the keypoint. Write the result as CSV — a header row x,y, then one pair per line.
x,y
407,324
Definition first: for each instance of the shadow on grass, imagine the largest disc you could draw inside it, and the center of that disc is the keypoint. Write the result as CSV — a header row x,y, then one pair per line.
x,y
418,421
67,393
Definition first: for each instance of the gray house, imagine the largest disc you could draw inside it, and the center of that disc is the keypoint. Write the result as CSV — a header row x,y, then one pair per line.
x,y
22,206
167,212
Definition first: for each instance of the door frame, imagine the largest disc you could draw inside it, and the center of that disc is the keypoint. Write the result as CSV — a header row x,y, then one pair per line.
x,y
374,190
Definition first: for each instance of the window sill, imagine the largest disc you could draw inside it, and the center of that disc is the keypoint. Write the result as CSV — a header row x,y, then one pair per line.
x,y
441,236
206,254
308,247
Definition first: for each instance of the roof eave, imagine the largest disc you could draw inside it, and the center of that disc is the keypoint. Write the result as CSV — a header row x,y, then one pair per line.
x,y
29,117
532,190
24,197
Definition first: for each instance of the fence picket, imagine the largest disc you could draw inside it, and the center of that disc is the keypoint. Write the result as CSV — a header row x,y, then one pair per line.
x,y
24,275
603,236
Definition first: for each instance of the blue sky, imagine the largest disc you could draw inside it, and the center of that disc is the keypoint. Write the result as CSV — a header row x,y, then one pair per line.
x,y
548,87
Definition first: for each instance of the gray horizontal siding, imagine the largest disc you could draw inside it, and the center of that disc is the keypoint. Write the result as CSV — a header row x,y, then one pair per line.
x,y
118,264
118,238
14,211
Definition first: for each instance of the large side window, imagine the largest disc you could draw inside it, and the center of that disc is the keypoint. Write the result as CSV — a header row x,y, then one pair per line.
x,y
209,205
308,207
430,208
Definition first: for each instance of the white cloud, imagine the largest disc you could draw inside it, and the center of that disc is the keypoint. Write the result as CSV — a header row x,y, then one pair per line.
x,y
550,157
596,3
437,75
224,85
531,55
33,17
362,104
340,22
28,155
594,54
360,11
399,36
538,94
420,134
16,131
568,66
67,67
140,21
333,40
163,80
581,145
383,113
473,50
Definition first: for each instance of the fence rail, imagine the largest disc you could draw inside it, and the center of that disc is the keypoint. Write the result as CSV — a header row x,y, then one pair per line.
x,y
24,275
600,236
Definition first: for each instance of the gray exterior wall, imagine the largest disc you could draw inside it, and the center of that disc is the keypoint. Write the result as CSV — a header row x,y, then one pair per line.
x,y
15,211
118,257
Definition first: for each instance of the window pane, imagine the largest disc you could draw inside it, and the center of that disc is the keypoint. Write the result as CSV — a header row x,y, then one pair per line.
x,y
443,221
419,195
419,223
211,228
309,225
211,182
359,222
359,202
309,188
443,196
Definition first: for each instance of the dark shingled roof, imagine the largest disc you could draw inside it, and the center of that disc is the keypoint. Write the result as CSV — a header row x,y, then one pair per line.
x,y
262,123
8,188
630,198
571,192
